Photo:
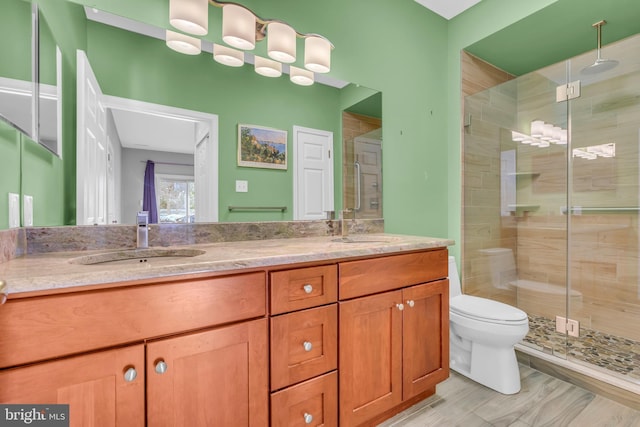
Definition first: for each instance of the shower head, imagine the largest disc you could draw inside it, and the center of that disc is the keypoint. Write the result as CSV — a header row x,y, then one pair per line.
x,y
601,65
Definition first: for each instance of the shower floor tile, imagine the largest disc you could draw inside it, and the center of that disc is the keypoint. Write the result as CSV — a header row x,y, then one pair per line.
x,y
616,354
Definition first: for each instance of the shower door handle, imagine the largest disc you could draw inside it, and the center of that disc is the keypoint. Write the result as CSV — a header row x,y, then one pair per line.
x,y
358,183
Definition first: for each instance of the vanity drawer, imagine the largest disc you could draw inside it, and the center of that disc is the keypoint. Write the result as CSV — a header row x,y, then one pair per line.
x,y
78,322
314,402
369,276
303,344
302,288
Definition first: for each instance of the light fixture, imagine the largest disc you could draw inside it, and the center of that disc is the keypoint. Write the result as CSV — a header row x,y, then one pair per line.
x,y
300,76
317,54
190,16
268,67
242,29
281,42
238,26
547,132
183,43
228,56
537,128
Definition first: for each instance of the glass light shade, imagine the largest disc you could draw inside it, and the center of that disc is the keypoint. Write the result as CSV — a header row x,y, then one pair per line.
x,y
527,140
300,76
563,137
517,136
183,43
281,42
317,54
238,27
227,56
190,16
268,67
547,132
537,128
556,134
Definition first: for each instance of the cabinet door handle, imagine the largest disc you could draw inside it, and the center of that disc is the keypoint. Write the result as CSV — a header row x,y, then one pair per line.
x,y
130,374
400,306
411,303
307,346
4,291
308,418
161,367
307,288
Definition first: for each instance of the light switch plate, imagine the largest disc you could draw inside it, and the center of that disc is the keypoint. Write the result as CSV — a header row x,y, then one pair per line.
x,y
242,186
27,211
14,210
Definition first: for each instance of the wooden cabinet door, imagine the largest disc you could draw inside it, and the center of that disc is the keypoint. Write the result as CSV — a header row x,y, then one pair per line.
x,y
93,385
370,357
425,337
215,378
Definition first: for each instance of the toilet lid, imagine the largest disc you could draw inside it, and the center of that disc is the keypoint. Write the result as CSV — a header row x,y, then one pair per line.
x,y
486,310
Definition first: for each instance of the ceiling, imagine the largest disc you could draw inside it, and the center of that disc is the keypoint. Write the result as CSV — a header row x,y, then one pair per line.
x,y
447,8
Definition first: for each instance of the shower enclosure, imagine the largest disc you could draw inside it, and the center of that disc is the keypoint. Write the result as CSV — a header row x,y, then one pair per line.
x,y
550,175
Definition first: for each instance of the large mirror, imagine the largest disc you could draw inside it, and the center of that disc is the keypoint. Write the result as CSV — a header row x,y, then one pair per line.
x,y
158,105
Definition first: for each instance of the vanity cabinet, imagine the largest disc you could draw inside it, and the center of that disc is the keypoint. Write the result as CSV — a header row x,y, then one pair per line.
x,y
304,347
188,348
394,343
343,342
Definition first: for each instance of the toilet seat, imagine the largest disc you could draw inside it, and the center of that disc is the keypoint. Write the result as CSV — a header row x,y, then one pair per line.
x,y
486,310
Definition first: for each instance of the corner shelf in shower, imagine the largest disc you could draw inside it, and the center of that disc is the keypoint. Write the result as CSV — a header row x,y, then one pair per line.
x,y
524,174
520,209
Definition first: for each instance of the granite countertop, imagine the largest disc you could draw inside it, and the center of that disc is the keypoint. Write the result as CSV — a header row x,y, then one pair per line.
x,y
59,271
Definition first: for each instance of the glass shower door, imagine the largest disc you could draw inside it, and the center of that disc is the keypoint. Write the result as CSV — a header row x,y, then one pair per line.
x,y
604,200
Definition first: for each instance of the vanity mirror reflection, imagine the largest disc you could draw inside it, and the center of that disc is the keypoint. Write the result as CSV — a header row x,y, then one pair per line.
x,y
138,69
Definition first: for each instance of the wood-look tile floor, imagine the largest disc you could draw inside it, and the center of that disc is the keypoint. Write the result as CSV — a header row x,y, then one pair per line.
x,y
543,401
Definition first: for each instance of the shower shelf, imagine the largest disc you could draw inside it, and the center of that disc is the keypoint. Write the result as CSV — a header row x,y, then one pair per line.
x,y
524,174
519,209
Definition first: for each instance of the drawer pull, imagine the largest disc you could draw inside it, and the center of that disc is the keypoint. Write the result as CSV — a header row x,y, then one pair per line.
x,y
308,418
161,367
411,303
400,306
307,288
130,374
307,346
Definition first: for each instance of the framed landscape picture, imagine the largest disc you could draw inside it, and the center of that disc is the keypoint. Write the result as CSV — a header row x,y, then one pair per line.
x,y
262,147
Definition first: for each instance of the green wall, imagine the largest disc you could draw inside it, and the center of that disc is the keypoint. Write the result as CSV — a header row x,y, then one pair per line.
x,y
44,182
10,170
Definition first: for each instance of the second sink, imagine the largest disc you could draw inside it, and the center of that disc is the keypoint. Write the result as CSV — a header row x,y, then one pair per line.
x,y
136,256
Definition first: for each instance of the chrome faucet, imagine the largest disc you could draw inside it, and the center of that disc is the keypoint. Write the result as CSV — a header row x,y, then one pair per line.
x,y
344,227
142,222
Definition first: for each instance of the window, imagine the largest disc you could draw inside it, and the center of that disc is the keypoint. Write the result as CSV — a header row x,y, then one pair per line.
x,y
176,198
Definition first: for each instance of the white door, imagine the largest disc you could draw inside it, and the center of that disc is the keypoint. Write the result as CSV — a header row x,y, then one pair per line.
x,y
91,161
313,173
368,177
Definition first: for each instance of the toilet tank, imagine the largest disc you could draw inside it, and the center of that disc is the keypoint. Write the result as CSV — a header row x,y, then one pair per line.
x,y
455,288
502,266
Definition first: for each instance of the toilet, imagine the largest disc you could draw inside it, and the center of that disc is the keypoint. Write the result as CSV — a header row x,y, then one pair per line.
x,y
483,333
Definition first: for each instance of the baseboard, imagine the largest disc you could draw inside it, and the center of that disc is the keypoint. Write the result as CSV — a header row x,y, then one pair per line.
x,y
587,378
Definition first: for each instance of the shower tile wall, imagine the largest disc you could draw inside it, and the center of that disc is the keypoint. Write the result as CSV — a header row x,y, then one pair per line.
x,y
483,225
353,125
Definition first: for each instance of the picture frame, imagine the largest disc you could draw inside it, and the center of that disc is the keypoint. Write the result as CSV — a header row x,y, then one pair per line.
x,y
262,147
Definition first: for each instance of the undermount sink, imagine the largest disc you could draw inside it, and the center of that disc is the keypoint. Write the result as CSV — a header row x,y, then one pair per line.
x,y
362,239
134,256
